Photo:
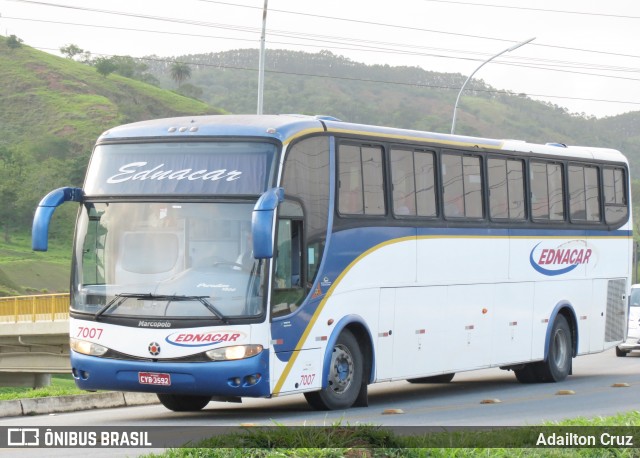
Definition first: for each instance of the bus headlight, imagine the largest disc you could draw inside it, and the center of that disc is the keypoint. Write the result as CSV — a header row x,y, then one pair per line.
x,y
235,352
87,348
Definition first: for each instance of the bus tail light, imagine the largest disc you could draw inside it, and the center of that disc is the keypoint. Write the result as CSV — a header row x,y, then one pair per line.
x,y
233,353
87,348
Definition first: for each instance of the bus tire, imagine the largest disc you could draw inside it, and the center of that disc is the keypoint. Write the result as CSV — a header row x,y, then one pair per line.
x,y
558,364
344,379
183,403
443,378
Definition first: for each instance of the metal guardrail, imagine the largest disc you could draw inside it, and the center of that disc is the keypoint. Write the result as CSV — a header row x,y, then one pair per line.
x,y
43,307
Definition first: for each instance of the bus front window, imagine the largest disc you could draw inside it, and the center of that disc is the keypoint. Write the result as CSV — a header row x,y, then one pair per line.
x,y
166,260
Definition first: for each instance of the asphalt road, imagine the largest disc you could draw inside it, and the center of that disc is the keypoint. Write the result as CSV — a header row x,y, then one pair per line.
x,y
463,402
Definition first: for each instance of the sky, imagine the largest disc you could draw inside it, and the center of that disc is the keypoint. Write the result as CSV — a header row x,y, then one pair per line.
x,y
585,55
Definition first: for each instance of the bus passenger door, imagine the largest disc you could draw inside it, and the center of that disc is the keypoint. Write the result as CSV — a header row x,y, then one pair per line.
x,y
288,290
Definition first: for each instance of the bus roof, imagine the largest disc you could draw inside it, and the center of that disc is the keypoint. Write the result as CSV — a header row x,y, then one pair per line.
x,y
279,127
288,127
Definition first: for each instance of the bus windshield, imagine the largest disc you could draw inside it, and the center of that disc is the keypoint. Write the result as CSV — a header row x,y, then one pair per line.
x,y
166,260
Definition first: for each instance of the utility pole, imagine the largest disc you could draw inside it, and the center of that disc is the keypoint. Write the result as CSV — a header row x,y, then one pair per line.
x,y
261,61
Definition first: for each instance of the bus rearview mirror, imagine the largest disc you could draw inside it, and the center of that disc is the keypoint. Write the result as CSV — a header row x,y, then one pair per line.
x,y
44,213
262,222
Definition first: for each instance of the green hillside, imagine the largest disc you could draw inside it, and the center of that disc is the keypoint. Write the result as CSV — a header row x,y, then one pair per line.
x,y
23,271
44,96
51,112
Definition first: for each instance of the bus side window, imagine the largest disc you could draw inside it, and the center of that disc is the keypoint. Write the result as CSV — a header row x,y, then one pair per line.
x,y
452,185
615,195
360,180
403,182
462,186
413,182
547,191
584,195
288,290
506,188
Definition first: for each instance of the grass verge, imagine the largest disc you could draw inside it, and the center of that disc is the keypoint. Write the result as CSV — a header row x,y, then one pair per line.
x,y
61,385
372,441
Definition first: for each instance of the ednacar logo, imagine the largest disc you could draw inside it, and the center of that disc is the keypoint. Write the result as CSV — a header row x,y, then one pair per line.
x,y
136,171
203,339
560,259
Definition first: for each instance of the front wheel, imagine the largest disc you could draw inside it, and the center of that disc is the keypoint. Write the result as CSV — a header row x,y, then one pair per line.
x,y
183,403
344,379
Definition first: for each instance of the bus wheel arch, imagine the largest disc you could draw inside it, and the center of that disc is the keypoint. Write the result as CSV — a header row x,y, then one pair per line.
x,y
566,310
347,368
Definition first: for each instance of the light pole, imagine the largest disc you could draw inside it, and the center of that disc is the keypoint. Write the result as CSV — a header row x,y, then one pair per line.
x,y
455,108
261,61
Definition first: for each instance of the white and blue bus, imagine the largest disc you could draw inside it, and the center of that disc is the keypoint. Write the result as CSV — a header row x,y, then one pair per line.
x,y
222,257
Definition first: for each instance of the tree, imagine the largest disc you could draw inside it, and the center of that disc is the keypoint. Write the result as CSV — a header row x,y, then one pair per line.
x,y
180,72
105,66
71,51
129,67
14,42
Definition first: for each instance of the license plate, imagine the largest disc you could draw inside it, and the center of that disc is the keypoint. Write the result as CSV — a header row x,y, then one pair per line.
x,y
153,378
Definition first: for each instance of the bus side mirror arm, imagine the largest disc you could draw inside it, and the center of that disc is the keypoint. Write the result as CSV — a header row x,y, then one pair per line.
x,y
263,221
44,213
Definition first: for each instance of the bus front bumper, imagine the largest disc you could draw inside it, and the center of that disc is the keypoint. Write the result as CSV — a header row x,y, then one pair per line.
x,y
242,378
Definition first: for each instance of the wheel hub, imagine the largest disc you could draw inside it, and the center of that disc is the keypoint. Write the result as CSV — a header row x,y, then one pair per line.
x,y
341,369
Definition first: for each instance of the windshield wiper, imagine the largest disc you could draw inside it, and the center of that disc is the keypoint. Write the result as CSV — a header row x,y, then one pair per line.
x,y
119,299
205,301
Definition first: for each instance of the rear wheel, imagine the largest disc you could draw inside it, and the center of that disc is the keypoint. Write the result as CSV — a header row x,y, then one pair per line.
x,y
344,379
183,403
443,378
558,364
